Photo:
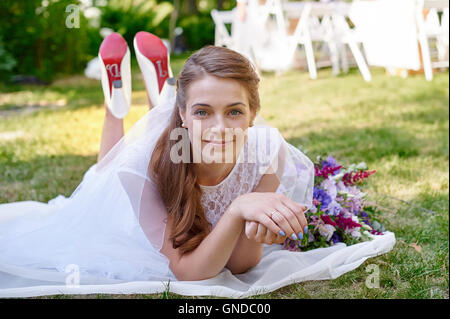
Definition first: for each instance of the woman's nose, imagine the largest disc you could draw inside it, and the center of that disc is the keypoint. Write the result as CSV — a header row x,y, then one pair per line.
x,y
220,124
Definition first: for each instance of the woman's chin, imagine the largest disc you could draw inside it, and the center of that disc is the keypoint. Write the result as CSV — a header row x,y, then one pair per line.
x,y
217,152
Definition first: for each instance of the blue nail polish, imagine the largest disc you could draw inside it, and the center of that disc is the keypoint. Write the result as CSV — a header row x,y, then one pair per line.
x,y
282,233
294,236
300,235
305,230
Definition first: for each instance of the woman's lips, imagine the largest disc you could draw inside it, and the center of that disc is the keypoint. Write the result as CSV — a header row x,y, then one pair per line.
x,y
219,142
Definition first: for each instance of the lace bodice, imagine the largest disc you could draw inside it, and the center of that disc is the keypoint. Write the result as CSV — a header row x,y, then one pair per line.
x,y
215,199
243,178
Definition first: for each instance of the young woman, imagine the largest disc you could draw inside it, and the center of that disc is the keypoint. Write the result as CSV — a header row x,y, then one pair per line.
x,y
141,213
218,89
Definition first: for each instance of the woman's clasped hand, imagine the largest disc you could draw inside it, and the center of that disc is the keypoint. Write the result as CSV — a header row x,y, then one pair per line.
x,y
270,217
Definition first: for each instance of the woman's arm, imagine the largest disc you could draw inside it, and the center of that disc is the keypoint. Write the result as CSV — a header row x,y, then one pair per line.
x,y
248,253
212,254
209,258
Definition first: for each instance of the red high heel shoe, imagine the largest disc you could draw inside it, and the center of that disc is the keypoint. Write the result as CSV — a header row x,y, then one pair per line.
x,y
154,62
114,55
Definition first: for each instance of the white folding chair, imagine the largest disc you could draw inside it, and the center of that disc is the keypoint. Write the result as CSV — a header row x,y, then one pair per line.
x,y
430,27
221,19
270,48
315,25
347,36
302,36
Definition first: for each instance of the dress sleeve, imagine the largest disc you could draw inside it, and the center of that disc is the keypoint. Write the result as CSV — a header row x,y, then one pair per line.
x,y
147,205
294,170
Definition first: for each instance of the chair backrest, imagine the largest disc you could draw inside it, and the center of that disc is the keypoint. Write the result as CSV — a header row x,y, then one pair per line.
x,y
436,4
431,22
388,31
262,14
221,18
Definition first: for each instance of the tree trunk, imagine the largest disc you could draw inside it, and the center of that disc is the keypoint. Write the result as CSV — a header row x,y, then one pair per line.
x,y
173,23
192,6
220,4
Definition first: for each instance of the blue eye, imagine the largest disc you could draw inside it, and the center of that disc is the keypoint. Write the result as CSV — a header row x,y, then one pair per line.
x,y
238,112
198,112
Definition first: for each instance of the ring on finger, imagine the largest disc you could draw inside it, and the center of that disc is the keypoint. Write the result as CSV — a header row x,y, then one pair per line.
x,y
272,213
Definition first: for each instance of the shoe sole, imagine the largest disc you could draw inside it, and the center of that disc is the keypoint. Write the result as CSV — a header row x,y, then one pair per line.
x,y
114,55
154,62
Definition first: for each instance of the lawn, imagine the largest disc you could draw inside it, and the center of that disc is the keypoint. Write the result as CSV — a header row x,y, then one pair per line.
x,y
49,136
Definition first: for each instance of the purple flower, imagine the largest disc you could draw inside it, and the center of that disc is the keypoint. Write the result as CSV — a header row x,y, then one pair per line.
x,y
322,196
330,186
331,162
365,217
336,238
334,208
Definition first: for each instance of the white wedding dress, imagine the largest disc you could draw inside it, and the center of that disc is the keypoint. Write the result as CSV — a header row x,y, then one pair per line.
x,y
106,237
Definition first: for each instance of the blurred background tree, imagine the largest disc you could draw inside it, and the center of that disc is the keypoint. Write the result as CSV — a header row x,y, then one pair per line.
x,y
36,40
35,35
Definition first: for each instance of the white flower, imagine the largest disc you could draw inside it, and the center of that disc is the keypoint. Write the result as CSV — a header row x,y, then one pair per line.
x,y
361,165
341,187
356,233
367,233
338,176
330,187
326,231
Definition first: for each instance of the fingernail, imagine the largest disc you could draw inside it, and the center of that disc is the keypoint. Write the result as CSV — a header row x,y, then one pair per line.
x,y
305,230
294,237
300,235
282,233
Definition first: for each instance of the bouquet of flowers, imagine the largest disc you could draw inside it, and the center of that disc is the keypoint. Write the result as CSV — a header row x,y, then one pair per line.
x,y
340,211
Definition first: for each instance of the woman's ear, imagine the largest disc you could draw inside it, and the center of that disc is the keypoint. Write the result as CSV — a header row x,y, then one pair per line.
x,y
252,118
182,114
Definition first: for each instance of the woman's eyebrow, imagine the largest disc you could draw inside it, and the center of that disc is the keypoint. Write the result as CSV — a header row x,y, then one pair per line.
x,y
229,105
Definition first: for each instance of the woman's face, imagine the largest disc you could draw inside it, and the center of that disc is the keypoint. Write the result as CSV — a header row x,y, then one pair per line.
x,y
217,116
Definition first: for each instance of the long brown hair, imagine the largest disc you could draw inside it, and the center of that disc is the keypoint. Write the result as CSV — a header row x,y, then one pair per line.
x,y
177,182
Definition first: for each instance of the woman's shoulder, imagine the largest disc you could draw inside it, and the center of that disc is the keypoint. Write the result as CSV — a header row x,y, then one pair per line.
x,y
264,143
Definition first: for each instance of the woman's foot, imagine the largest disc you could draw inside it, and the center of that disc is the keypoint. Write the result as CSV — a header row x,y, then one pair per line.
x,y
154,62
114,56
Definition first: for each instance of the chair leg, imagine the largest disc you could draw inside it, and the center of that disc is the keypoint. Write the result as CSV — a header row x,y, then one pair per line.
x,y
310,59
363,68
334,52
343,56
426,57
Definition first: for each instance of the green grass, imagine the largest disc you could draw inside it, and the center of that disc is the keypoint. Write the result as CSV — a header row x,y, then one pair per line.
x,y
49,136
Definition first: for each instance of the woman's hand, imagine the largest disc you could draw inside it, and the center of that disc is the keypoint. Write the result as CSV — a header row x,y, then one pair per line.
x,y
259,233
278,213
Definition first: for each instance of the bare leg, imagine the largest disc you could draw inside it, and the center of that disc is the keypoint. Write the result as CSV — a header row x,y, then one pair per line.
x,y
112,133
150,104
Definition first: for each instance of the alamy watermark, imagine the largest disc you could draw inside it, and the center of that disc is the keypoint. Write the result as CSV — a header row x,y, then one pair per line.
x,y
225,146
73,18
373,279
73,277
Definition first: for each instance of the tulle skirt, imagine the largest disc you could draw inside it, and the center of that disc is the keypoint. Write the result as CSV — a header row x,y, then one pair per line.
x,y
93,234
